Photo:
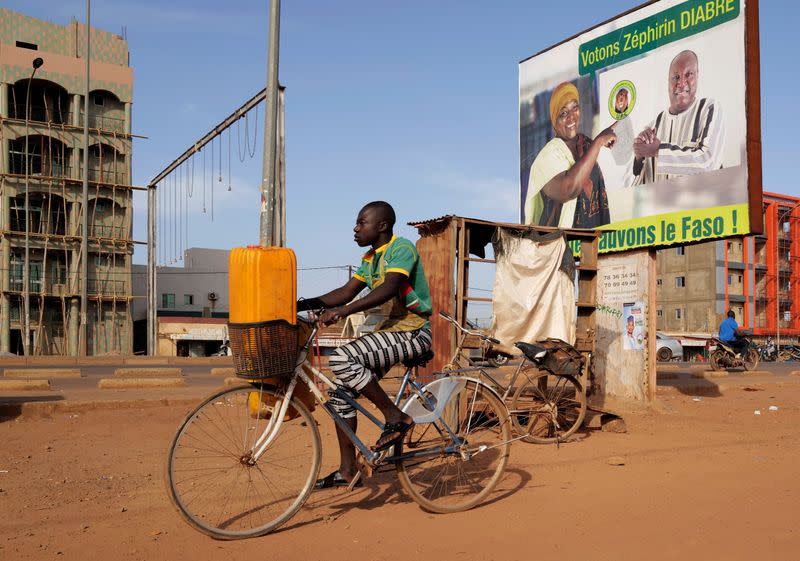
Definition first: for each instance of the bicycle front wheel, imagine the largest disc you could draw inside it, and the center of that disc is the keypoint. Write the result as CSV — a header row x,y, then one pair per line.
x,y
449,476
216,482
547,408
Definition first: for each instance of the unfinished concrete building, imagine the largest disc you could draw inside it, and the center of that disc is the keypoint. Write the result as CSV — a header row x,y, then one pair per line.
x,y
756,276
53,216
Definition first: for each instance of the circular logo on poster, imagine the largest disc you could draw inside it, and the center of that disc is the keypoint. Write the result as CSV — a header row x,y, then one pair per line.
x,y
622,99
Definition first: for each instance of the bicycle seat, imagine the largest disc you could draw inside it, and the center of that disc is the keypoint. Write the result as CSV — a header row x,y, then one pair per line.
x,y
532,351
421,360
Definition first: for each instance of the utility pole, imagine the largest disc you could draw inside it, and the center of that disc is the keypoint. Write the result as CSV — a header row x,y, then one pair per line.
x,y
267,226
26,273
83,344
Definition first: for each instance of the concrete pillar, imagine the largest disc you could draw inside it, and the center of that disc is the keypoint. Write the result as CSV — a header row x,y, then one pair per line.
x,y
5,156
128,112
76,110
4,100
6,145
75,162
5,276
72,326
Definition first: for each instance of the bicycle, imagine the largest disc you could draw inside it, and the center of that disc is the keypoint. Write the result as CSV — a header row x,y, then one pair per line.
x,y
789,352
244,461
545,407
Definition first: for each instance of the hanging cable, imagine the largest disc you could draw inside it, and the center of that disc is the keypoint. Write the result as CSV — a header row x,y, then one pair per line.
x,y
212,199
186,207
242,153
255,132
204,182
220,157
229,159
174,218
190,188
180,211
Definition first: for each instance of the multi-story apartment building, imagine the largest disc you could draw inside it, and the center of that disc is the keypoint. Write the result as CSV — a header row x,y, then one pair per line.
x,y
55,173
758,277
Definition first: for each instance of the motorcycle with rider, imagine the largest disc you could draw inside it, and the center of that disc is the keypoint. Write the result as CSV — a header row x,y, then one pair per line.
x,y
733,348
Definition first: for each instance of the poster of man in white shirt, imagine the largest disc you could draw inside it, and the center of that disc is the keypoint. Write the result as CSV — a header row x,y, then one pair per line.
x,y
633,327
688,137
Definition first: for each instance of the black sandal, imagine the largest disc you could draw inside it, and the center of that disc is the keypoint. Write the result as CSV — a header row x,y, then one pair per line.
x,y
400,429
334,479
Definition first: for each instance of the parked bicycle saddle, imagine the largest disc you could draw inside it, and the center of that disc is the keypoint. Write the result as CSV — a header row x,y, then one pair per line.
x,y
554,355
533,351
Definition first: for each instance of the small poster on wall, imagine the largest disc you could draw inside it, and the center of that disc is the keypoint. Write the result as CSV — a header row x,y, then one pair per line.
x,y
633,328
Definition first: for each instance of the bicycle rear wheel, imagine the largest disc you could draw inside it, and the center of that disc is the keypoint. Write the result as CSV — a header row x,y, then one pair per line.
x,y
458,476
547,408
216,483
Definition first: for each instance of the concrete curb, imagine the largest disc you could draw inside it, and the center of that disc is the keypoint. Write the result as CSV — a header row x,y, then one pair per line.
x,y
227,372
148,373
757,373
660,366
45,409
710,374
138,383
24,385
666,375
26,373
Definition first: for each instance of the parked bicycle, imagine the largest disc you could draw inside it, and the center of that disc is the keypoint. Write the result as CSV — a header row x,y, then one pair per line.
x,y
245,460
789,352
546,406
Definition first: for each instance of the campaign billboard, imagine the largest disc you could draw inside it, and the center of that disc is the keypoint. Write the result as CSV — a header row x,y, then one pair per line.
x,y
647,125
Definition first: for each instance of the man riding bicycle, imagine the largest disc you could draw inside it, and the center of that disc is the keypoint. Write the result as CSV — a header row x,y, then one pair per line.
x,y
393,272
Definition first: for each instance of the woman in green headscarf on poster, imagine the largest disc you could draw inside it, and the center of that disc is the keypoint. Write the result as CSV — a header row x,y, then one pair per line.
x,y
566,186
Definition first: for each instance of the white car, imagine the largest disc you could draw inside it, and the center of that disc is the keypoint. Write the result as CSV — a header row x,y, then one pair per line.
x,y
668,348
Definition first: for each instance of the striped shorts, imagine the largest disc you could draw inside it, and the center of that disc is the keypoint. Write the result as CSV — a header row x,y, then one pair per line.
x,y
372,355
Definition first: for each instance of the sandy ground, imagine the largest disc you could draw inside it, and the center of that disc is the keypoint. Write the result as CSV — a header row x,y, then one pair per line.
x,y
701,479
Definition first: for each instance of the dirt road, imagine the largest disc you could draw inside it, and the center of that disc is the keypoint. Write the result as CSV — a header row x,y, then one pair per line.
x,y
702,479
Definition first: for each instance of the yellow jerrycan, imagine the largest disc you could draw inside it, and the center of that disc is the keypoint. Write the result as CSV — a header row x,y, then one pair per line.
x,y
262,326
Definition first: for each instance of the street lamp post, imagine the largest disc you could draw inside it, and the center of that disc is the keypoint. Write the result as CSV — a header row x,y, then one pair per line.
x,y
37,63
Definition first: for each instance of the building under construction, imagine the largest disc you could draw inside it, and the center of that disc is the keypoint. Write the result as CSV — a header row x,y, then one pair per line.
x,y
51,223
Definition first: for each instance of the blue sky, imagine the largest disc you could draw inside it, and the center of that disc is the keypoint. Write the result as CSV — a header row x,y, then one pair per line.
x,y
413,102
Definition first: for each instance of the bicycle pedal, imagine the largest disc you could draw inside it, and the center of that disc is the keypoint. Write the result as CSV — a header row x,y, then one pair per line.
x,y
365,468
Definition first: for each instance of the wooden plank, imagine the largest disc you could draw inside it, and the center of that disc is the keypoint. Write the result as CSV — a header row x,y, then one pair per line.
x,y
476,260
476,299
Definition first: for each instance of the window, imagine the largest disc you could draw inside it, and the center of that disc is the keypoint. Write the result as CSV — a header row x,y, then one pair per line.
x,y
730,280
677,313
167,300
24,45
740,278
680,282
658,282
659,313
680,250
98,99
188,299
